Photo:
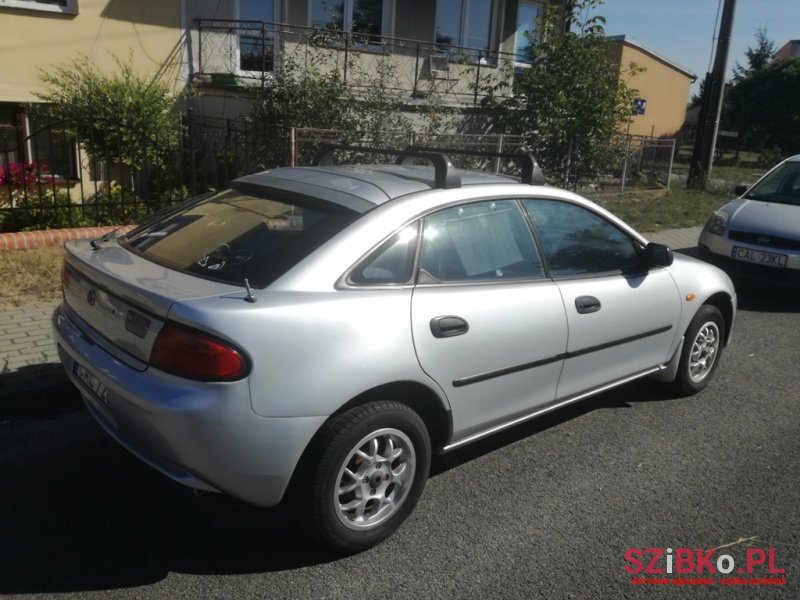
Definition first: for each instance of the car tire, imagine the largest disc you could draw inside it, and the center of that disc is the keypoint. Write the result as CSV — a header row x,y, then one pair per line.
x,y
702,346
365,475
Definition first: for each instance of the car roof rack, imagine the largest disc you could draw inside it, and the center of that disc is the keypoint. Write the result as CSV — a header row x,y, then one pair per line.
x,y
447,176
531,172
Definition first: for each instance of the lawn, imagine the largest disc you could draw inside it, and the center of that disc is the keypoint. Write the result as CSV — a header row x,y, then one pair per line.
x,y
32,275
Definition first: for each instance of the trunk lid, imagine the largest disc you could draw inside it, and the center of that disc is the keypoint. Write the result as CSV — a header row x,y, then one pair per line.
x,y
121,300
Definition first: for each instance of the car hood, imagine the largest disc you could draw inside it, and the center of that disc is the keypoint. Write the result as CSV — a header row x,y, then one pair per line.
x,y
770,218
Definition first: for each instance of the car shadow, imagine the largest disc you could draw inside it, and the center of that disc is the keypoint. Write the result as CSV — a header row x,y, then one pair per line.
x,y
79,513
765,299
644,390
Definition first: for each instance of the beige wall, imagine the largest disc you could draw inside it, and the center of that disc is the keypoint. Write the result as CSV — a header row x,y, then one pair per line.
x,y
665,89
147,30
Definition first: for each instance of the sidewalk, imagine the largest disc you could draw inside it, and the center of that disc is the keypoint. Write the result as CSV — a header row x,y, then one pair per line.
x,y
31,361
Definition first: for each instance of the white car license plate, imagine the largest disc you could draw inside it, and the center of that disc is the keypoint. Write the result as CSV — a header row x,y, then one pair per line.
x,y
91,382
768,259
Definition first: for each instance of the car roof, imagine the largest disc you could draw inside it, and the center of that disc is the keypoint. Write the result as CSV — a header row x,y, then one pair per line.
x,y
357,187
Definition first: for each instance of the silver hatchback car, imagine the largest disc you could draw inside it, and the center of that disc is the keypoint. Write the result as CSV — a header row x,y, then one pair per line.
x,y
313,334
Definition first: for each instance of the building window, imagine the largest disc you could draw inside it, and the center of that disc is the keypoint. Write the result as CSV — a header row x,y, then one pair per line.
x,y
257,35
464,23
364,17
56,6
24,140
528,14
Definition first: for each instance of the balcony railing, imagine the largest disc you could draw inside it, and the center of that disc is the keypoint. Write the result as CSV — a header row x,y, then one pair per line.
x,y
235,52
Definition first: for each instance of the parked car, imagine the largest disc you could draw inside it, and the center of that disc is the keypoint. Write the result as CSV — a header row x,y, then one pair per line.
x,y
756,238
312,334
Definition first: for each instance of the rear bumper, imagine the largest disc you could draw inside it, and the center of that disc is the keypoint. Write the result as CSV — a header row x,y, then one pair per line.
x,y
203,435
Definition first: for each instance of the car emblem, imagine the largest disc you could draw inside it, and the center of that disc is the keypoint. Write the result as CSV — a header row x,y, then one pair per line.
x,y
91,297
764,239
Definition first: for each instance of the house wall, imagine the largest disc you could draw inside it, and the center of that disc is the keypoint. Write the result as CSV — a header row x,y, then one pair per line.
x,y
147,31
665,89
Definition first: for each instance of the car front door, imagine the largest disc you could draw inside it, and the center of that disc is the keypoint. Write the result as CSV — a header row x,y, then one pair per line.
x,y
621,318
488,326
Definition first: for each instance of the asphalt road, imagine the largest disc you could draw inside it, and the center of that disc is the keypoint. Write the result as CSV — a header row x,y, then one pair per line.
x,y
546,510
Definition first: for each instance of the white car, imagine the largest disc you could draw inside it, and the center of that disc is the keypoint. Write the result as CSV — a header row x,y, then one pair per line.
x,y
756,238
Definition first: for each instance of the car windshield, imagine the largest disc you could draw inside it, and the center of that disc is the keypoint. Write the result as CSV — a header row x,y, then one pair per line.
x,y
232,236
782,185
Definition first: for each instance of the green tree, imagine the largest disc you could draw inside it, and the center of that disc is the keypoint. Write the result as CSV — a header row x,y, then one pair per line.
x,y
317,96
765,107
758,57
127,117
571,101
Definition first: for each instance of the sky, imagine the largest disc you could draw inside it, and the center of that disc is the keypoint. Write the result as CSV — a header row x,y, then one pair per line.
x,y
682,31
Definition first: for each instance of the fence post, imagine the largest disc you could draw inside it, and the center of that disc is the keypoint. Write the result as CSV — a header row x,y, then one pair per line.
x,y
671,159
625,163
293,147
192,166
416,73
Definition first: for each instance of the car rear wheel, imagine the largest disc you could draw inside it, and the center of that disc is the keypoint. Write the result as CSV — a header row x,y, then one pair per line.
x,y
702,346
366,475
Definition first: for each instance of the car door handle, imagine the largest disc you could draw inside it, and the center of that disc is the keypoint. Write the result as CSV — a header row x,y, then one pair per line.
x,y
448,326
587,304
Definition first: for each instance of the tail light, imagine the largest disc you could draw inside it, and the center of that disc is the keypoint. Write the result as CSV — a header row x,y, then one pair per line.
x,y
196,355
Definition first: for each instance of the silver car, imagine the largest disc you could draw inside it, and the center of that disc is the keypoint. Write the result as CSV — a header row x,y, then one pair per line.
x,y
313,334
756,238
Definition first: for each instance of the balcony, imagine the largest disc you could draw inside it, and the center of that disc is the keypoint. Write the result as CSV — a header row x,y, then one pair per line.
x,y
246,53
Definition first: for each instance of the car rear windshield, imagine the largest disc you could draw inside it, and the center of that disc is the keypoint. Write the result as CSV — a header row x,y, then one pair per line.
x,y
233,236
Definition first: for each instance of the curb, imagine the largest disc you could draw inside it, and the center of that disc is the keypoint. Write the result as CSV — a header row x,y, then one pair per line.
x,y
24,240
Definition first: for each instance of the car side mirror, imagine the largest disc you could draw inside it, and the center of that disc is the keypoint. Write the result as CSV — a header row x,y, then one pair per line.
x,y
739,190
656,255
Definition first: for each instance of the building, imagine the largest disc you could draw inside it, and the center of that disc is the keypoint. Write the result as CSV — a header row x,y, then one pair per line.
x,y
663,88
790,49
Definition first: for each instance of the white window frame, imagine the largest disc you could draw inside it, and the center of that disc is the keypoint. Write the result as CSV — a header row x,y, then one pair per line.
x,y
256,76
462,38
541,7
387,16
71,7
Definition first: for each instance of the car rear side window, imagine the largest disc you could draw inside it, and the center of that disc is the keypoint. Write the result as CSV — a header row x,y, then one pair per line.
x,y
577,241
483,241
233,236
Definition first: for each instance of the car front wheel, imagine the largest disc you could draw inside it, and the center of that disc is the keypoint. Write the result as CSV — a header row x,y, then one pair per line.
x,y
702,346
366,475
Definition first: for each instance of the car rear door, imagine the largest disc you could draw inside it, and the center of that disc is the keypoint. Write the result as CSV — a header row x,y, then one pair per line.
x,y
488,326
621,318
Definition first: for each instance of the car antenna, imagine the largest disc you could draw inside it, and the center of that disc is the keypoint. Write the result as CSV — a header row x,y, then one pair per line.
x,y
250,297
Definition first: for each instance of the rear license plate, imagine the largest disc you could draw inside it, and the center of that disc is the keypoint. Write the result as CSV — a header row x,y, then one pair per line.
x,y
767,259
90,381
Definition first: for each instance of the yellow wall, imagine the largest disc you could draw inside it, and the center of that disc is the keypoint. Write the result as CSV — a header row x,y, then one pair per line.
x,y
665,89
147,30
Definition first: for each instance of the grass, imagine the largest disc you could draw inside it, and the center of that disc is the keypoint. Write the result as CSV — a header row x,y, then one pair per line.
x,y
32,275
649,212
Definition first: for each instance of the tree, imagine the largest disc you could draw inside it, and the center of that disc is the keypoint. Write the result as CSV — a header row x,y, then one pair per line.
x,y
571,101
765,107
758,57
130,118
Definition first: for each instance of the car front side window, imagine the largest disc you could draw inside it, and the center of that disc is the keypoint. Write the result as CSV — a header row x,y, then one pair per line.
x,y
481,241
577,241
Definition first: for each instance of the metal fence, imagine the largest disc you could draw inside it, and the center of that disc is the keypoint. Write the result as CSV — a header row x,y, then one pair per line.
x,y
237,52
306,142
48,179
647,162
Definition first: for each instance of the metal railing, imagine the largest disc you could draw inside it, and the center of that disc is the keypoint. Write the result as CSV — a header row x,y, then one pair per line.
x,y
240,53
